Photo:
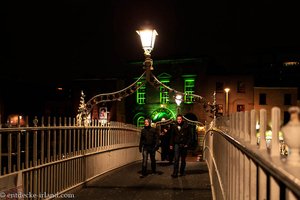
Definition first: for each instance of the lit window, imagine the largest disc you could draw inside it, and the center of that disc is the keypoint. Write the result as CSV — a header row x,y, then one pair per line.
x,y
189,89
141,93
164,93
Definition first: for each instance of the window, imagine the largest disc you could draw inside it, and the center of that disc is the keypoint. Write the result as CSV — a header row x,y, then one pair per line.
x,y
262,99
189,88
141,93
240,87
240,108
164,93
220,109
287,99
219,87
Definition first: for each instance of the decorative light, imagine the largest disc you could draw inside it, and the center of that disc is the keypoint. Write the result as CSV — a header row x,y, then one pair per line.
x,y
148,39
291,63
178,99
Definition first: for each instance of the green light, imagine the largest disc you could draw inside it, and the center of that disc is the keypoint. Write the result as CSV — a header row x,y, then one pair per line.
x,y
141,94
162,113
189,88
164,94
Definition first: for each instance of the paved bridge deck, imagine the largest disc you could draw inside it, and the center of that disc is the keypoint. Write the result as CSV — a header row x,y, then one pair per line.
x,y
125,183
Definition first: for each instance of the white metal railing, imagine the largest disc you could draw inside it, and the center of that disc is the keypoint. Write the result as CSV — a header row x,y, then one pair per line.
x,y
244,166
49,159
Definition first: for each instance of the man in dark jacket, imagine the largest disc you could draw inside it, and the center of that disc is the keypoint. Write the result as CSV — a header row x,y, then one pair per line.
x,y
164,137
149,144
180,140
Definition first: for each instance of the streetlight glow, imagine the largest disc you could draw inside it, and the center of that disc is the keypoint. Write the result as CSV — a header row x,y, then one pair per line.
x,y
178,99
148,39
227,101
227,90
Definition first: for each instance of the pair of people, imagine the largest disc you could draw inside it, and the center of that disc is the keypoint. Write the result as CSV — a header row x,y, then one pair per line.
x,y
179,142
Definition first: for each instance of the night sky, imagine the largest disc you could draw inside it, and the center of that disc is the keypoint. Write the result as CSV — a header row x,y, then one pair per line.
x,y
88,39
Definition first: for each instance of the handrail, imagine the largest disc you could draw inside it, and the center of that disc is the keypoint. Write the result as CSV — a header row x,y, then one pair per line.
x,y
247,168
280,175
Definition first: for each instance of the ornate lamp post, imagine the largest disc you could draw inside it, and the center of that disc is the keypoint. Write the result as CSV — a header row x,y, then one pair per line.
x,y
148,39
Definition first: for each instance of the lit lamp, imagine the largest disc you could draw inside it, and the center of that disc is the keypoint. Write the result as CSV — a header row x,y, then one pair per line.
x,y
178,100
148,39
226,101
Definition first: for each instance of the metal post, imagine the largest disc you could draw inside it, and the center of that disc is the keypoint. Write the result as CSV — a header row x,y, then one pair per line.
x,y
215,110
178,110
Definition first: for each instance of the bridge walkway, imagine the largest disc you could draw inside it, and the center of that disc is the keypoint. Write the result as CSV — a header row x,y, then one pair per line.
x,y
125,184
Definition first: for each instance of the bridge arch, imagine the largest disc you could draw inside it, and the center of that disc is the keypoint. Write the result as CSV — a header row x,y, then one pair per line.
x,y
147,76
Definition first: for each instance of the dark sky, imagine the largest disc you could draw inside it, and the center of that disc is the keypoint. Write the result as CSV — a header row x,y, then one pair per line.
x,y
80,38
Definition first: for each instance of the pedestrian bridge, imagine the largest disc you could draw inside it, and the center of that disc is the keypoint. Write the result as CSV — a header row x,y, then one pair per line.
x,y
56,157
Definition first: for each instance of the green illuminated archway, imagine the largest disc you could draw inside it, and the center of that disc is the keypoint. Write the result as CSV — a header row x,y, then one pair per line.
x,y
138,119
162,112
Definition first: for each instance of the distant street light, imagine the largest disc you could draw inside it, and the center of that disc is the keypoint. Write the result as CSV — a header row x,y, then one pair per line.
x,y
178,100
227,101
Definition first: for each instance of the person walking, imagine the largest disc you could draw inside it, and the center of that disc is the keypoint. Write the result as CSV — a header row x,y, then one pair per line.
x,y
164,137
180,140
149,144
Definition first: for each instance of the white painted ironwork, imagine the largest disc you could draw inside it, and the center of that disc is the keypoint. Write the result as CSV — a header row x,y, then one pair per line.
x,y
114,96
57,156
242,167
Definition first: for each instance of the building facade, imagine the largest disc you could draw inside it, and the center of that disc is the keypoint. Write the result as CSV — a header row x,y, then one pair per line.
x,y
281,97
191,77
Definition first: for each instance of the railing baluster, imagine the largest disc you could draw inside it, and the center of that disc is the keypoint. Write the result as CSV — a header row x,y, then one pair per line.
x,y
253,138
65,137
1,153
9,153
70,139
49,141
275,150
42,142
262,129
26,149
35,143
60,139
18,151
54,139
